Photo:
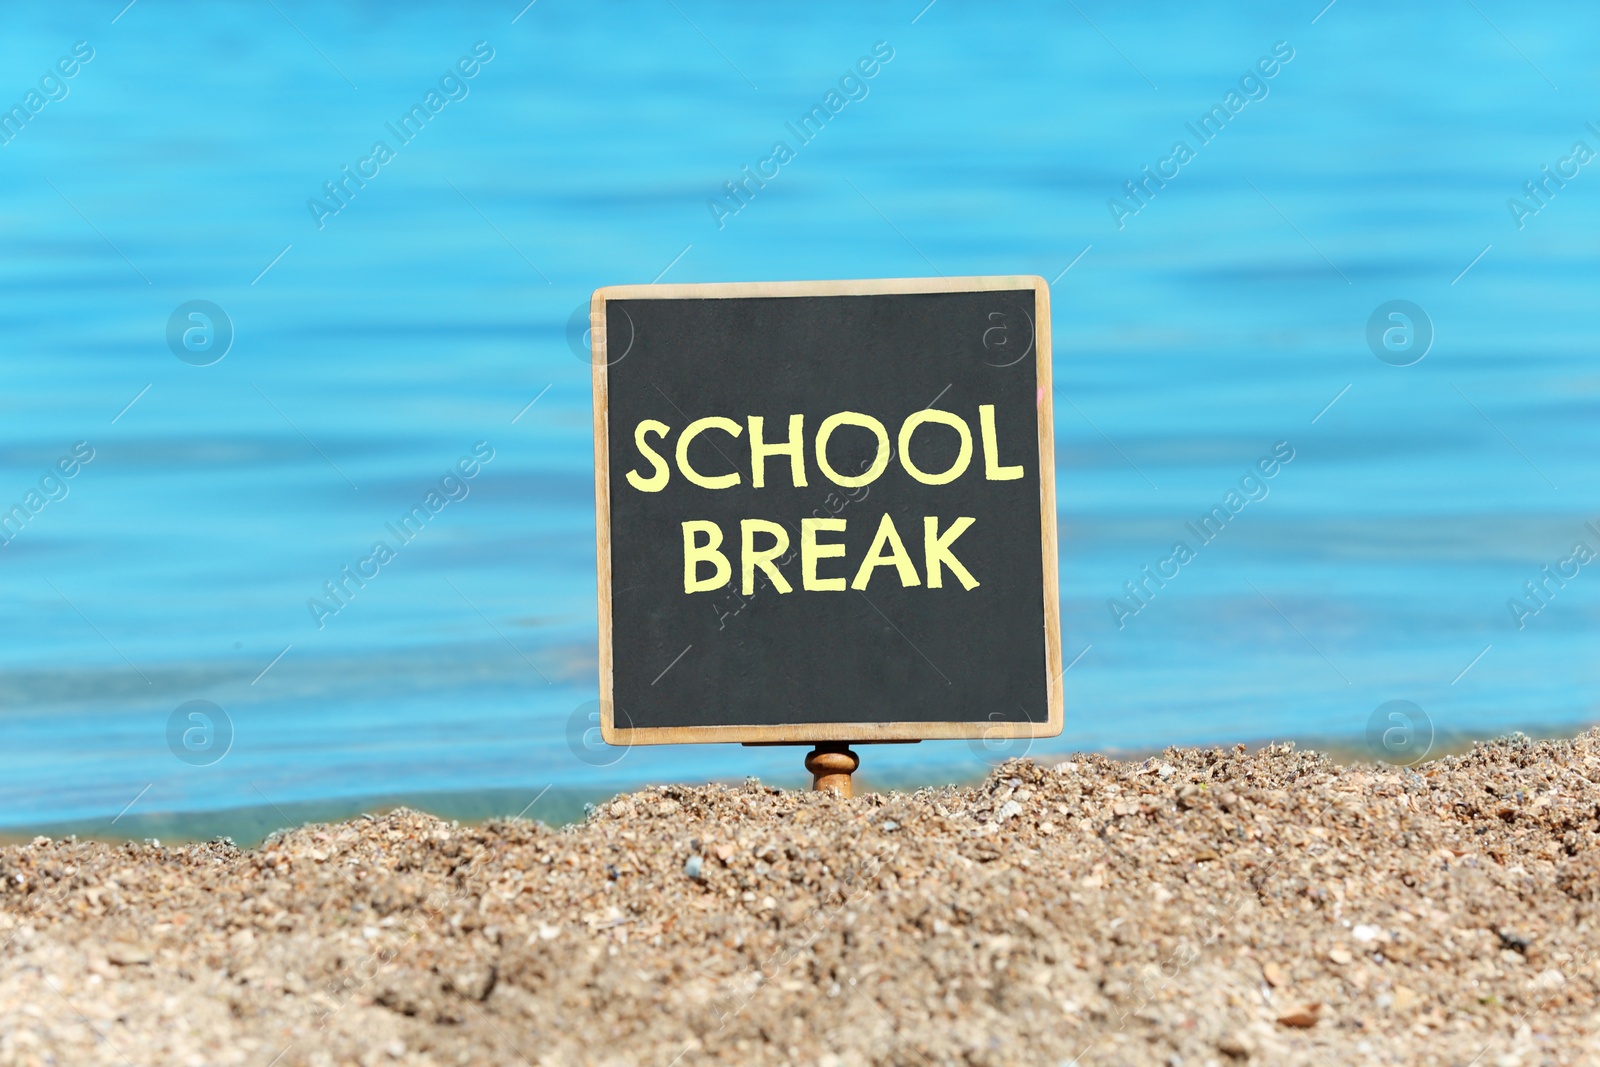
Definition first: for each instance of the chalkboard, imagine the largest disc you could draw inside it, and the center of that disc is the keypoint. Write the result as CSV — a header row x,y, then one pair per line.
x,y
897,582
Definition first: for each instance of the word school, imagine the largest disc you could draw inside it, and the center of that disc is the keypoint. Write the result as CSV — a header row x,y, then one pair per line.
x,y
702,539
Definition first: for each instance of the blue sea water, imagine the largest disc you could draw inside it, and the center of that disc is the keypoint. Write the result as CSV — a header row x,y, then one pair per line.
x,y
376,345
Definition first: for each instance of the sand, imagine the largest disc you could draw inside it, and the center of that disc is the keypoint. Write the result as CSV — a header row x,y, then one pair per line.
x,y
1200,907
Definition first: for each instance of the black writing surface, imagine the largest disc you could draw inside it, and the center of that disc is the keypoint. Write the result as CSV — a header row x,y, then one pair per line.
x,y
826,511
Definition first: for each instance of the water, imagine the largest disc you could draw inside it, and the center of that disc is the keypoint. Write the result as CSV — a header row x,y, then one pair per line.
x,y
429,311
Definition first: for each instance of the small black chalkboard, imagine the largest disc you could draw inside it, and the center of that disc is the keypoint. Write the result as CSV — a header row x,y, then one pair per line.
x,y
826,511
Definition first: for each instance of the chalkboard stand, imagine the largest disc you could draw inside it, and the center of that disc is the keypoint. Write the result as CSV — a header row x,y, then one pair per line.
x,y
831,763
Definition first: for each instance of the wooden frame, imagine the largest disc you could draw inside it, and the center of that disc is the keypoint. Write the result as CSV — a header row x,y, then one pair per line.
x,y
809,733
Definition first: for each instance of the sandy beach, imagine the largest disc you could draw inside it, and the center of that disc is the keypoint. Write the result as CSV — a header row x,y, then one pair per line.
x,y
1200,907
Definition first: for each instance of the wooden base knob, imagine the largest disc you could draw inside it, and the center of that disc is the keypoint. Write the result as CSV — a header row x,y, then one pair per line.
x,y
831,767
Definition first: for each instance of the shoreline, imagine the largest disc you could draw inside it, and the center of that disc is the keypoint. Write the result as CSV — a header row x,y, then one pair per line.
x,y
1202,906
249,825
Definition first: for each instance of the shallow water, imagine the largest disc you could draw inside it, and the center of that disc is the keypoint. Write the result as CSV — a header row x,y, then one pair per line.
x,y
426,315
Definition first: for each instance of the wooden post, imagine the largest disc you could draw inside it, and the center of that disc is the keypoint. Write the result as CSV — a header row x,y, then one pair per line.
x,y
831,764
